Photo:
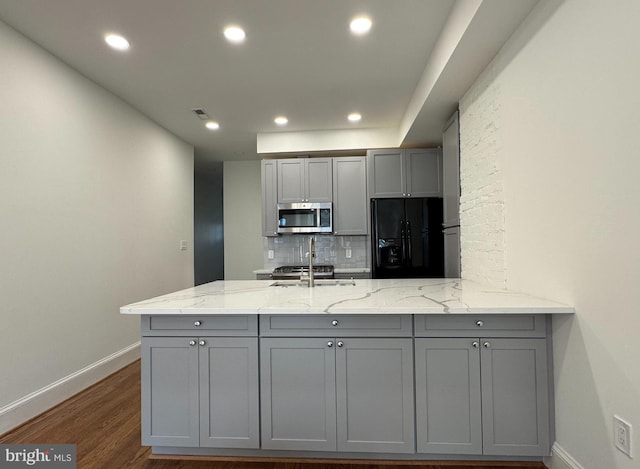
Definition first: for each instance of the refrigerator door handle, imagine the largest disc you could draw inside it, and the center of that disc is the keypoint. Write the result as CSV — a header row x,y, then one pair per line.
x,y
403,244
377,239
408,241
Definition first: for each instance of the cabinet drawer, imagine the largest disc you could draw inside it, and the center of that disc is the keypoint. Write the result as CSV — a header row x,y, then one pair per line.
x,y
516,325
229,325
321,325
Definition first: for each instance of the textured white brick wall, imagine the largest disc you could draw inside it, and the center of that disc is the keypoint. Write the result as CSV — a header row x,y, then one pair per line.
x,y
482,214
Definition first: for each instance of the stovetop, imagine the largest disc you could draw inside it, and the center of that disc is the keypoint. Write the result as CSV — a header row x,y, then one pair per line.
x,y
294,271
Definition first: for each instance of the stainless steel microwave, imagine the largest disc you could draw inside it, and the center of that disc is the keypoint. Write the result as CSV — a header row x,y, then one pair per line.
x,y
305,218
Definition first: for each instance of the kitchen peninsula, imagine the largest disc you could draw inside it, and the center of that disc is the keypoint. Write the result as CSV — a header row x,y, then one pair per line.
x,y
400,369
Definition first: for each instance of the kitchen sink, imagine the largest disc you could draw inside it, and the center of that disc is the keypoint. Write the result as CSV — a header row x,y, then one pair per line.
x,y
318,283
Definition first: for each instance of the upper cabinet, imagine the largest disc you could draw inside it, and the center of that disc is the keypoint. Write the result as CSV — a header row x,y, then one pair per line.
x,y
350,214
405,173
269,175
304,180
451,172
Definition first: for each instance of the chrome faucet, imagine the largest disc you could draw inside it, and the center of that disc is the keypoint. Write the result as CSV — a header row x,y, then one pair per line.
x,y
312,254
309,277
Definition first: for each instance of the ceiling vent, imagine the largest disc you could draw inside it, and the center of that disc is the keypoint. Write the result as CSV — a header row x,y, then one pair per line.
x,y
200,113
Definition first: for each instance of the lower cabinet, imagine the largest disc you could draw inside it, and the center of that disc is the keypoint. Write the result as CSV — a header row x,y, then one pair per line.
x,y
200,392
482,396
328,394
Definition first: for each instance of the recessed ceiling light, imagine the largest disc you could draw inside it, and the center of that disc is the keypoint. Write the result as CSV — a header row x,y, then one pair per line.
x,y
211,125
116,41
281,120
354,117
360,25
234,34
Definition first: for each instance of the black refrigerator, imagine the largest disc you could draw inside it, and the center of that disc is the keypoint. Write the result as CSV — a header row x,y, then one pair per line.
x,y
407,239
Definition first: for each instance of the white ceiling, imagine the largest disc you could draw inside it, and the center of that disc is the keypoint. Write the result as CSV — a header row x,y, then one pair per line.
x,y
299,59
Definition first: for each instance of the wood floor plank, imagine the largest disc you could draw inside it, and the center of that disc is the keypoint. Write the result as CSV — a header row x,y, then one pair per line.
x,y
104,422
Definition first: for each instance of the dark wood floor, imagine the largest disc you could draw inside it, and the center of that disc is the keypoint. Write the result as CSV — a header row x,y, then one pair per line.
x,y
104,422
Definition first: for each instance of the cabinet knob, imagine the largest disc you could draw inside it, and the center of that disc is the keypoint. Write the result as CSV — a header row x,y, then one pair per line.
x,y
202,342
340,344
404,194
197,323
480,323
408,195
334,322
475,344
192,342
329,344
486,344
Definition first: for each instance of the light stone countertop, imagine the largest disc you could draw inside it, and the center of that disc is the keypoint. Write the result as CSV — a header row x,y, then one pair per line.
x,y
367,296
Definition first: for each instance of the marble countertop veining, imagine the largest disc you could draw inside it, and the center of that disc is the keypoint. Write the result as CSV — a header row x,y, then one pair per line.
x,y
367,296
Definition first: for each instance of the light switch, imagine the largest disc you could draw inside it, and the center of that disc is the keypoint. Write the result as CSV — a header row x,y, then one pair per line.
x,y
183,244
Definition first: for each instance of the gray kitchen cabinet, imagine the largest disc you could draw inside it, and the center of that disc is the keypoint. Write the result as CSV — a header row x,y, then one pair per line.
x,y
515,397
298,397
350,214
328,394
374,391
269,177
448,399
452,264
200,392
169,376
423,172
451,172
304,180
229,413
482,396
404,173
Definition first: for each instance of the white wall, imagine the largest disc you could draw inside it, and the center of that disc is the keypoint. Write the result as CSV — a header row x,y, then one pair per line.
x,y
94,199
243,243
567,111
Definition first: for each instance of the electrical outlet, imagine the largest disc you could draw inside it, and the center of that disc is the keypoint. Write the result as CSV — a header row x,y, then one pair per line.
x,y
348,253
270,253
622,435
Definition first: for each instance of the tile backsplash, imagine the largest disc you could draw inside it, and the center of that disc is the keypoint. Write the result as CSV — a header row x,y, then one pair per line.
x,y
293,250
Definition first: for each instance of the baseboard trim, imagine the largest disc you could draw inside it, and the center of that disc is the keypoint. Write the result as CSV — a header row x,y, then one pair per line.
x,y
560,459
20,411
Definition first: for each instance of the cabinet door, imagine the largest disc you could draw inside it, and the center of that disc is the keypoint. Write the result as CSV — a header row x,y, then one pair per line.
x,y
423,173
452,252
451,173
350,196
374,386
515,397
269,198
318,180
386,178
170,413
448,400
290,180
297,392
229,392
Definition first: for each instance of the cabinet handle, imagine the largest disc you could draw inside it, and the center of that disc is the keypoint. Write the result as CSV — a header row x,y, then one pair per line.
x,y
192,342
480,323
486,344
329,344
475,344
334,322
340,344
202,342
197,323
